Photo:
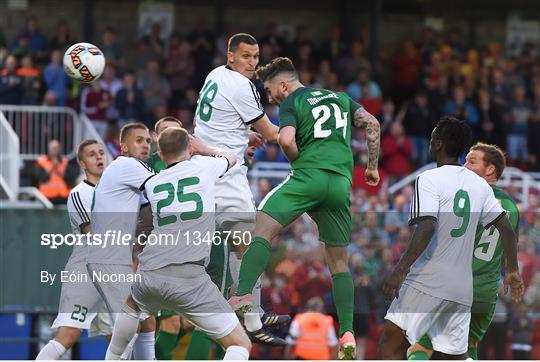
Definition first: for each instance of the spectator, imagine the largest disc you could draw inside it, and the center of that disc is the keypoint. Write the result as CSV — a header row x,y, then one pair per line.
x,y
94,103
130,101
407,71
350,65
534,132
54,175
11,84
491,122
517,120
366,92
372,231
23,48
112,140
397,152
418,122
364,298
32,82
156,89
37,41
500,92
111,84
312,335
180,67
55,77
63,38
155,42
335,46
397,217
202,41
462,109
112,49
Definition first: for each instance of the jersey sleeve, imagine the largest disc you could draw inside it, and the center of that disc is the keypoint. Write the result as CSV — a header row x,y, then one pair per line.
x,y
425,202
136,173
78,212
354,106
287,114
247,102
492,210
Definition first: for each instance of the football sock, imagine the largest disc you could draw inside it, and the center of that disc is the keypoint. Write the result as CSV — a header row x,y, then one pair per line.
x,y
165,344
252,320
473,353
199,347
253,264
144,349
125,328
343,293
418,356
52,351
236,353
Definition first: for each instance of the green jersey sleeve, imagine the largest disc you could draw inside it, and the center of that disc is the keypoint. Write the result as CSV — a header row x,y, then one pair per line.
x,y
354,107
287,114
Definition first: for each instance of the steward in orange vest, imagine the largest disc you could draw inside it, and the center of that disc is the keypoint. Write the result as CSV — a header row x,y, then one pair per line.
x,y
312,335
52,169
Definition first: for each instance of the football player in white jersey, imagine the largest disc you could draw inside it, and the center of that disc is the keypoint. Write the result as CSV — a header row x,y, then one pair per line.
x,y
117,201
172,269
228,106
81,306
432,285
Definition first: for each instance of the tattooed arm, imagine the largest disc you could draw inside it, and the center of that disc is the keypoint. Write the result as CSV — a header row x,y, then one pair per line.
x,y
363,119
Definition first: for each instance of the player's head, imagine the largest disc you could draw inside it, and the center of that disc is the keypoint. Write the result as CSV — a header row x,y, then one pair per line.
x,y
278,76
163,123
91,157
173,144
135,141
449,138
243,54
487,161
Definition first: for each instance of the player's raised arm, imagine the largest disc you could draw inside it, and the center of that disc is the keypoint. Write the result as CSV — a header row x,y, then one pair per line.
x,y
198,147
267,129
364,119
287,141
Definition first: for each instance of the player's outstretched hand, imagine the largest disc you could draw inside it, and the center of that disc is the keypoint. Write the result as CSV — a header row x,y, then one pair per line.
x,y
256,140
392,284
513,281
372,177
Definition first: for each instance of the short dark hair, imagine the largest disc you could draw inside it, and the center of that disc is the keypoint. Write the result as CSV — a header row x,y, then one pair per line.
x,y
173,141
167,119
493,155
82,146
275,67
455,135
126,129
237,39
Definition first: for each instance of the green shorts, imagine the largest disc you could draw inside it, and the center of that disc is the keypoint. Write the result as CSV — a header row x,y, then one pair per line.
x,y
323,195
481,316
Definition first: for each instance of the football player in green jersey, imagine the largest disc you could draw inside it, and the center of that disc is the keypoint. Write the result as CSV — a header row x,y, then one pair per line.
x,y
488,162
315,135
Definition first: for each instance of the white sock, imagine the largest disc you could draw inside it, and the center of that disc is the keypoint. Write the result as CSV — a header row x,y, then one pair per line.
x,y
128,352
52,351
234,265
236,353
257,297
125,328
144,347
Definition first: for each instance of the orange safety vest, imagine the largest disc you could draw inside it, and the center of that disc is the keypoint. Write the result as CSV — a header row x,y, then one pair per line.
x,y
312,341
55,186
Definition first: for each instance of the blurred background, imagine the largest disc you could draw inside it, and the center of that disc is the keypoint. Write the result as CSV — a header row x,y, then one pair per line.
x,y
406,61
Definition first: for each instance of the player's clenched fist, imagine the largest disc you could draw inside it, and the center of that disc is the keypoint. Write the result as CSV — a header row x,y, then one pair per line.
x,y
514,281
372,177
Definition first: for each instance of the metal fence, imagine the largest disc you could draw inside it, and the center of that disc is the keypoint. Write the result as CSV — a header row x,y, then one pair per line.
x,y
10,160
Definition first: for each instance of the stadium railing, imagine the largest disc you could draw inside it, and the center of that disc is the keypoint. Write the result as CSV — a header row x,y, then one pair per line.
x,y
10,160
271,170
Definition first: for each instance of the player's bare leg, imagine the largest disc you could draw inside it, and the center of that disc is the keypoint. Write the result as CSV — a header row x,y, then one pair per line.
x,y
393,344
343,293
237,345
253,264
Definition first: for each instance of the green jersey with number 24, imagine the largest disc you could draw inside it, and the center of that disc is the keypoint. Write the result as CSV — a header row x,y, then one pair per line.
x,y
322,119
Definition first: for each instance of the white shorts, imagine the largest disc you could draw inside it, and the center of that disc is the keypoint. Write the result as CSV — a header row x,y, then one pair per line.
x,y
445,322
81,305
113,293
234,200
188,290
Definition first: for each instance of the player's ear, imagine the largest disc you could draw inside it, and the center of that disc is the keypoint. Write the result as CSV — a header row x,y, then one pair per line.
x,y
490,170
124,148
82,165
230,57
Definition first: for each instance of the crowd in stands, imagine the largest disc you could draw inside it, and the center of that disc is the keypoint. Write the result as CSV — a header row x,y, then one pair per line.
x,y
408,91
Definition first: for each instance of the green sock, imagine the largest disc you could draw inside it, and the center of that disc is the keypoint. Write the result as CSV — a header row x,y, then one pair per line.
x,y
199,347
418,355
343,292
165,345
253,264
473,353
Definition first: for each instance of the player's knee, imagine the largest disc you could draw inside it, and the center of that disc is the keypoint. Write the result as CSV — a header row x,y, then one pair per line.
x,y
419,348
68,336
171,324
